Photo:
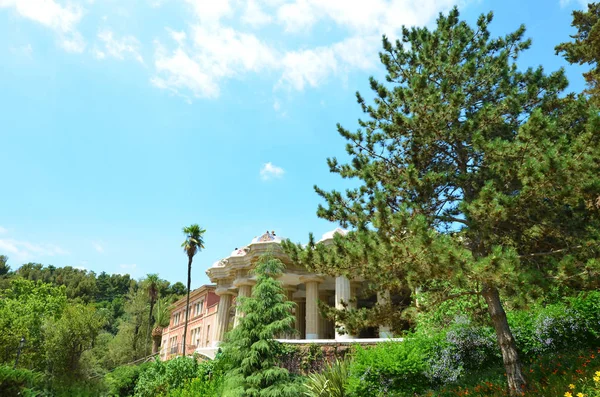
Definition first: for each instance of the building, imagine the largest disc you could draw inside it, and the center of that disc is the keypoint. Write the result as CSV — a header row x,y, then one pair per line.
x,y
201,323
232,277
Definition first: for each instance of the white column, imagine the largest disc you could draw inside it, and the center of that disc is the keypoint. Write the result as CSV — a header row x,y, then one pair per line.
x,y
312,309
342,296
383,298
222,315
300,318
244,291
323,297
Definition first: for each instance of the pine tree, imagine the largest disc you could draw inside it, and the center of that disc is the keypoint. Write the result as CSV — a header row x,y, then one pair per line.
x,y
250,348
471,173
585,47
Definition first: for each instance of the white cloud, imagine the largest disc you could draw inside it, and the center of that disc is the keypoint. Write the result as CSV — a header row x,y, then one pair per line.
x,y
98,247
118,48
3,230
254,15
214,54
270,171
211,51
27,251
62,19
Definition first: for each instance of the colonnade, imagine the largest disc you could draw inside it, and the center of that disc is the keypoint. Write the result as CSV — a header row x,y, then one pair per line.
x,y
309,324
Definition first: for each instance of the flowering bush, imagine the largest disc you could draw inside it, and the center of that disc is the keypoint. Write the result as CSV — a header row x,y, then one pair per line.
x,y
463,347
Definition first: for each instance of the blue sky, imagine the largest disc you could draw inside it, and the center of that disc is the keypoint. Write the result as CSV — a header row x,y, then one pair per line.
x,y
123,121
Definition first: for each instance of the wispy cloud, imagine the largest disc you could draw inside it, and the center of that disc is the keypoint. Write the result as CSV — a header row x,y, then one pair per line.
x,y
98,247
62,19
118,47
270,171
3,230
27,251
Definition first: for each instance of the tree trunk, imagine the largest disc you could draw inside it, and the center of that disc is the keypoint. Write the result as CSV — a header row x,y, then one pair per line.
x,y
506,341
156,342
187,303
150,322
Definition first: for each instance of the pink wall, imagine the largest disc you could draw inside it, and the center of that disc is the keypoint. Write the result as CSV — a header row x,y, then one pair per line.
x,y
201,325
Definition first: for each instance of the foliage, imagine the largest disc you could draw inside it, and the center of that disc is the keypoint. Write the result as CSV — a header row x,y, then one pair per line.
x,y
250,348
159,378
68,337
555,374
23,310
331,382
470,172
585,47
208,383
14,382
122,380
572,323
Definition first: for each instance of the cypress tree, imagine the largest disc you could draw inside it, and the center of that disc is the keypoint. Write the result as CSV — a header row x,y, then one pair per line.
x,y
250,349
471,173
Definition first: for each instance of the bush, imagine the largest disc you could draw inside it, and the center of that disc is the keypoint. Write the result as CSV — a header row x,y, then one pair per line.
x,y
160,377
390,368
121,381
15,382
332,382
573,323
464,347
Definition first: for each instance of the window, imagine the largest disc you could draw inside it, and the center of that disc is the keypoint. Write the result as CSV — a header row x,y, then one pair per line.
x,y
198,308
173,345
207,335
198,336
176,318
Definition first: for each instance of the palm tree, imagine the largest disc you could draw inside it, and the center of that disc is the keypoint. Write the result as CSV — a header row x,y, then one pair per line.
x,y
151,285
161,320
194,243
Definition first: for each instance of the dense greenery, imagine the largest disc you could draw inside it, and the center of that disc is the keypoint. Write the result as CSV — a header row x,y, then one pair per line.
x,y
70,327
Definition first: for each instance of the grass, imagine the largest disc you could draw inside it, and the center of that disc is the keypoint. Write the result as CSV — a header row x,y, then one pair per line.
x,y
568,374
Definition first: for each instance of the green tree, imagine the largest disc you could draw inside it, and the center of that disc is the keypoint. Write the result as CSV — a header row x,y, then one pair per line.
x,y
151,285
250,348
68,337
4,268
24,308
162,316
471,173
194,243
585,47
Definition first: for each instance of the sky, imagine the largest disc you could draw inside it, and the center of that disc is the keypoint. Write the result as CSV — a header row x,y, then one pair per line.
x,y
123,121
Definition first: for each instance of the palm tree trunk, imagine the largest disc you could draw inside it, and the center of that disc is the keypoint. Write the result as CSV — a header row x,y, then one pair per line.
x,y
506,341
187,303
150,323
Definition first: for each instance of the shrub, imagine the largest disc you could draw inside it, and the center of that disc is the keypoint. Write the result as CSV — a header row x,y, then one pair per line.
x,y
121,381
332,382
14,382
390,368
161,377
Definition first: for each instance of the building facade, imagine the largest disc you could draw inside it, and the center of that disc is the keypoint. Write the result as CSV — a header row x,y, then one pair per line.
x,y
201,323
233,277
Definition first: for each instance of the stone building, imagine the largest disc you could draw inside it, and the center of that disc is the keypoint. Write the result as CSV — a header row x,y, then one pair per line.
x,y
232,277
